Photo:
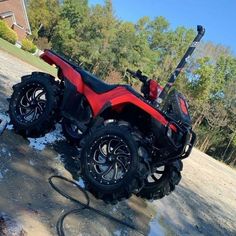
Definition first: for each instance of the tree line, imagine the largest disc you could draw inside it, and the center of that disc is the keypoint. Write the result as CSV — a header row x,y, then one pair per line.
x,y
100,42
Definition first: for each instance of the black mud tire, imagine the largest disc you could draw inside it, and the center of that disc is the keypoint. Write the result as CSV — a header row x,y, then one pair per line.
x,y
134,178
165,184
72,136
50,112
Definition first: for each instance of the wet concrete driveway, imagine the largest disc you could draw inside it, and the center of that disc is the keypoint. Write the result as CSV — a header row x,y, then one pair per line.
x,y
204,203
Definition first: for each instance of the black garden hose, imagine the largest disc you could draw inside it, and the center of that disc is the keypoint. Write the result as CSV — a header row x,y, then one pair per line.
x,y
60,227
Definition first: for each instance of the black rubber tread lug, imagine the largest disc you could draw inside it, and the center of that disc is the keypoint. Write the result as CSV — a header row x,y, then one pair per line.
x,y
47,120
166,184
127,189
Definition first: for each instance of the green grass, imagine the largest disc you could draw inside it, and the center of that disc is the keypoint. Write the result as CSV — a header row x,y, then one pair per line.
x,y
27,57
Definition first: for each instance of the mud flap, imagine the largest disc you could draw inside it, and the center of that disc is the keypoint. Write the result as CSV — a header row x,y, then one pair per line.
x,y
3,125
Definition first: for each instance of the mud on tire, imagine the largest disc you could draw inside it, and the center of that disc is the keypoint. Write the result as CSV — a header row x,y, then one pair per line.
x,y
34,104
169,177
112,144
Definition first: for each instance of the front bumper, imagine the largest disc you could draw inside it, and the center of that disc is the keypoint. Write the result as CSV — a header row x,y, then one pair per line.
x,y
183,148
190,140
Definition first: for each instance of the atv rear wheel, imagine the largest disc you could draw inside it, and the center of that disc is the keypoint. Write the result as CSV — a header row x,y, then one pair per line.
x,y
34,104
162,182
110,164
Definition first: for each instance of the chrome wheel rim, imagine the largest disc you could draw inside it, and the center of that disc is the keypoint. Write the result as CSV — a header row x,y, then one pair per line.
x,y
109,159
31,104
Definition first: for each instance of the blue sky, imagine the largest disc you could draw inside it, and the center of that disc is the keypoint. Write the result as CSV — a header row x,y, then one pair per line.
x,y
218,16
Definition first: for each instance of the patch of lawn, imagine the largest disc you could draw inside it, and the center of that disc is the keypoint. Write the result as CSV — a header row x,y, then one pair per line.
x,y
27,57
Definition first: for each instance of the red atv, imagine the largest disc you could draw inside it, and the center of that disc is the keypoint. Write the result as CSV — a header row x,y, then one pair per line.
x,y
130,143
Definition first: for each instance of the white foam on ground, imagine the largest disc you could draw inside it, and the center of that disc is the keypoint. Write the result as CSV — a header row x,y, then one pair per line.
x,y
31,162
58,157
10,225
80,183
4,150
2,173
117,233
10,127
6,118
49,138
39,143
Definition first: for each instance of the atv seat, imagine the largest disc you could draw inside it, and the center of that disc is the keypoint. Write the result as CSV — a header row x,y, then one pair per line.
x,y
91,80
95,83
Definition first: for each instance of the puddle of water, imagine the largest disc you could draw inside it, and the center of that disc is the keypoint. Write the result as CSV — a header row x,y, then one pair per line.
x,y
155,228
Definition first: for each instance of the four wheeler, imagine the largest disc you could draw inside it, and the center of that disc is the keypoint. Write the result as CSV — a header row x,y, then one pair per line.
x,y
130,143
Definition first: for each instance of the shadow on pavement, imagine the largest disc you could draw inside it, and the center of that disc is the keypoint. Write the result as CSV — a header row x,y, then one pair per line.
x,y
133,211
27,196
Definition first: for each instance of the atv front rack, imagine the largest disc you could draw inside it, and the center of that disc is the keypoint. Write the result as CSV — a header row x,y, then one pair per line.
x,y
3,125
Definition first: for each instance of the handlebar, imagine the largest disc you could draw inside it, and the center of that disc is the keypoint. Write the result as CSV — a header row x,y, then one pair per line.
x,y
131,72
138,74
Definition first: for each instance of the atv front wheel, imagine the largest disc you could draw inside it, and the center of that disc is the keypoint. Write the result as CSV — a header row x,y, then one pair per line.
x,y
34,104
110,164
162,182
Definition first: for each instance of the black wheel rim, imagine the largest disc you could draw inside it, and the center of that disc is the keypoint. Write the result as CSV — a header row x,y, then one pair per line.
x,y
73,130
156,176
31,104
109,159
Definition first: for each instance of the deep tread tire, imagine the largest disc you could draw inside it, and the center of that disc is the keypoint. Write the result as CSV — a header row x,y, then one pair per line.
x,y
165,185
133,179
50,114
